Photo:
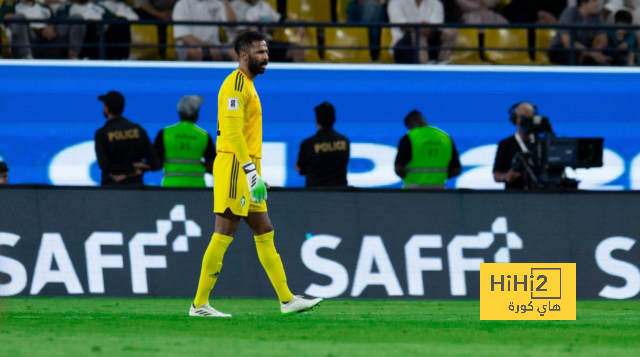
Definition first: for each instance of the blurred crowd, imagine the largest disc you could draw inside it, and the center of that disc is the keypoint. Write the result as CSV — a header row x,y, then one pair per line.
x,y
213,43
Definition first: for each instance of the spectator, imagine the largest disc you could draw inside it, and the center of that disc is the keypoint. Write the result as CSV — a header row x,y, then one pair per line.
x,y
121,146
181,147
202,43
157,10
4,174
587,13
574,3
427,156
613,6
85,38
323,158
509,147
261,11
622,42
120,9
480,12
368,11
26,34
452,12
403,39
544,12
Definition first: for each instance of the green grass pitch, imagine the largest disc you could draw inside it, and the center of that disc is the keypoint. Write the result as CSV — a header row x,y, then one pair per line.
x,y
371,328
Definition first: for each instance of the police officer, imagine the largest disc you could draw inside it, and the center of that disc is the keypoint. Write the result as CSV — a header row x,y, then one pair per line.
x,y
323,158
427,156
123,148
183,146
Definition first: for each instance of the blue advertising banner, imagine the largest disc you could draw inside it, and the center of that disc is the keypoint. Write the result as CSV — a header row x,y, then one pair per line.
x,y
49,113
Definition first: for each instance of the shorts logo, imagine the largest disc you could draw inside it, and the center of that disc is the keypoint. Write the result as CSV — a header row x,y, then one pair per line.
x,y
233,104
242,201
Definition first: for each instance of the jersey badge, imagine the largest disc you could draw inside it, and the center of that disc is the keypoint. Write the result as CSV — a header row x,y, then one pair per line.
x,y
233,104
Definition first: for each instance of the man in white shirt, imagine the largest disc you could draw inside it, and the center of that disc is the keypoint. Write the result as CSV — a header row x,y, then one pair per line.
x,y
23,35
83,39
202,43
261,11
403,39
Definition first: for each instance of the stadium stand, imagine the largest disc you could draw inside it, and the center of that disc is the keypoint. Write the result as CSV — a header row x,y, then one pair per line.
x,y
507,39
171,41
5,52
309,40
273,3
543,40
386,54
309,10
467,38
341,10
347,37
144,35
506,46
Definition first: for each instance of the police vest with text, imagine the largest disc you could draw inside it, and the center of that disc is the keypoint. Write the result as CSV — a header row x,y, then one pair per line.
x,y
184,144
431,151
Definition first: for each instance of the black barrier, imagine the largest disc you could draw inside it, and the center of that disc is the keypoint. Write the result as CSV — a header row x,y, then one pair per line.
x,y
365,244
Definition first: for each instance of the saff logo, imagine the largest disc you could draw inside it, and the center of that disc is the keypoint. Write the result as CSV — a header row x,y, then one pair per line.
x,y
242,201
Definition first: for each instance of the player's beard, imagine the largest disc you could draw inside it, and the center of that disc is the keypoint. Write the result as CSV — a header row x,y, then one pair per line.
x,y
256,66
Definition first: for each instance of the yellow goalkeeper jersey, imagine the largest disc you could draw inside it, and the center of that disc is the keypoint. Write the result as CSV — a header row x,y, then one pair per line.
x,y
238,100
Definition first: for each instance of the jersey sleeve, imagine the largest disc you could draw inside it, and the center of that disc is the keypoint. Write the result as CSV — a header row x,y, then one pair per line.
x,y
234,101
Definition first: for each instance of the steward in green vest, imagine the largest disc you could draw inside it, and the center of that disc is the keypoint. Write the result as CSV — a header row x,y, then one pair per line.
x,y
427,156
186,150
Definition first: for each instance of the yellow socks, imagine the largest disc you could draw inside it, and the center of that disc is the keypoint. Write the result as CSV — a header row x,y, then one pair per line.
x,y
271,262
211,265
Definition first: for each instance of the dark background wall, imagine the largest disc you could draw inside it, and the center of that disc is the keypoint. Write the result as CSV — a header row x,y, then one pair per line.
x,y
361,235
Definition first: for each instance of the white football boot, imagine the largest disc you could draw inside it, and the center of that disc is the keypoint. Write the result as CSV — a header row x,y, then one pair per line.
x,y
206,311
299,304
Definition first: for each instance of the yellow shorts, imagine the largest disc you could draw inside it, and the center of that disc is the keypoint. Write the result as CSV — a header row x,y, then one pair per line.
x,y
230,189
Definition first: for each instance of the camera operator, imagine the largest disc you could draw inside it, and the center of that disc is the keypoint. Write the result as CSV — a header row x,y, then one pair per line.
x,y
511,146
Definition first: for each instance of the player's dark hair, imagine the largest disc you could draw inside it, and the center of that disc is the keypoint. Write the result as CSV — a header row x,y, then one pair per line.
x,y
624,17
245,41
580,2
414,117
325,115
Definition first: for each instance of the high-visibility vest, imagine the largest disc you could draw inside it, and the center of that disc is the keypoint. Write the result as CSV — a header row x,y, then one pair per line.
x,y
431,151
184,146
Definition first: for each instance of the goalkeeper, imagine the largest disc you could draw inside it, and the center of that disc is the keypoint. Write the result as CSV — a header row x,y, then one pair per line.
x,y
239,190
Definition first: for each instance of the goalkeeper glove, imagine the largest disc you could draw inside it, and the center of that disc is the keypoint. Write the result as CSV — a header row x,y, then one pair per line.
x,y
257,186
